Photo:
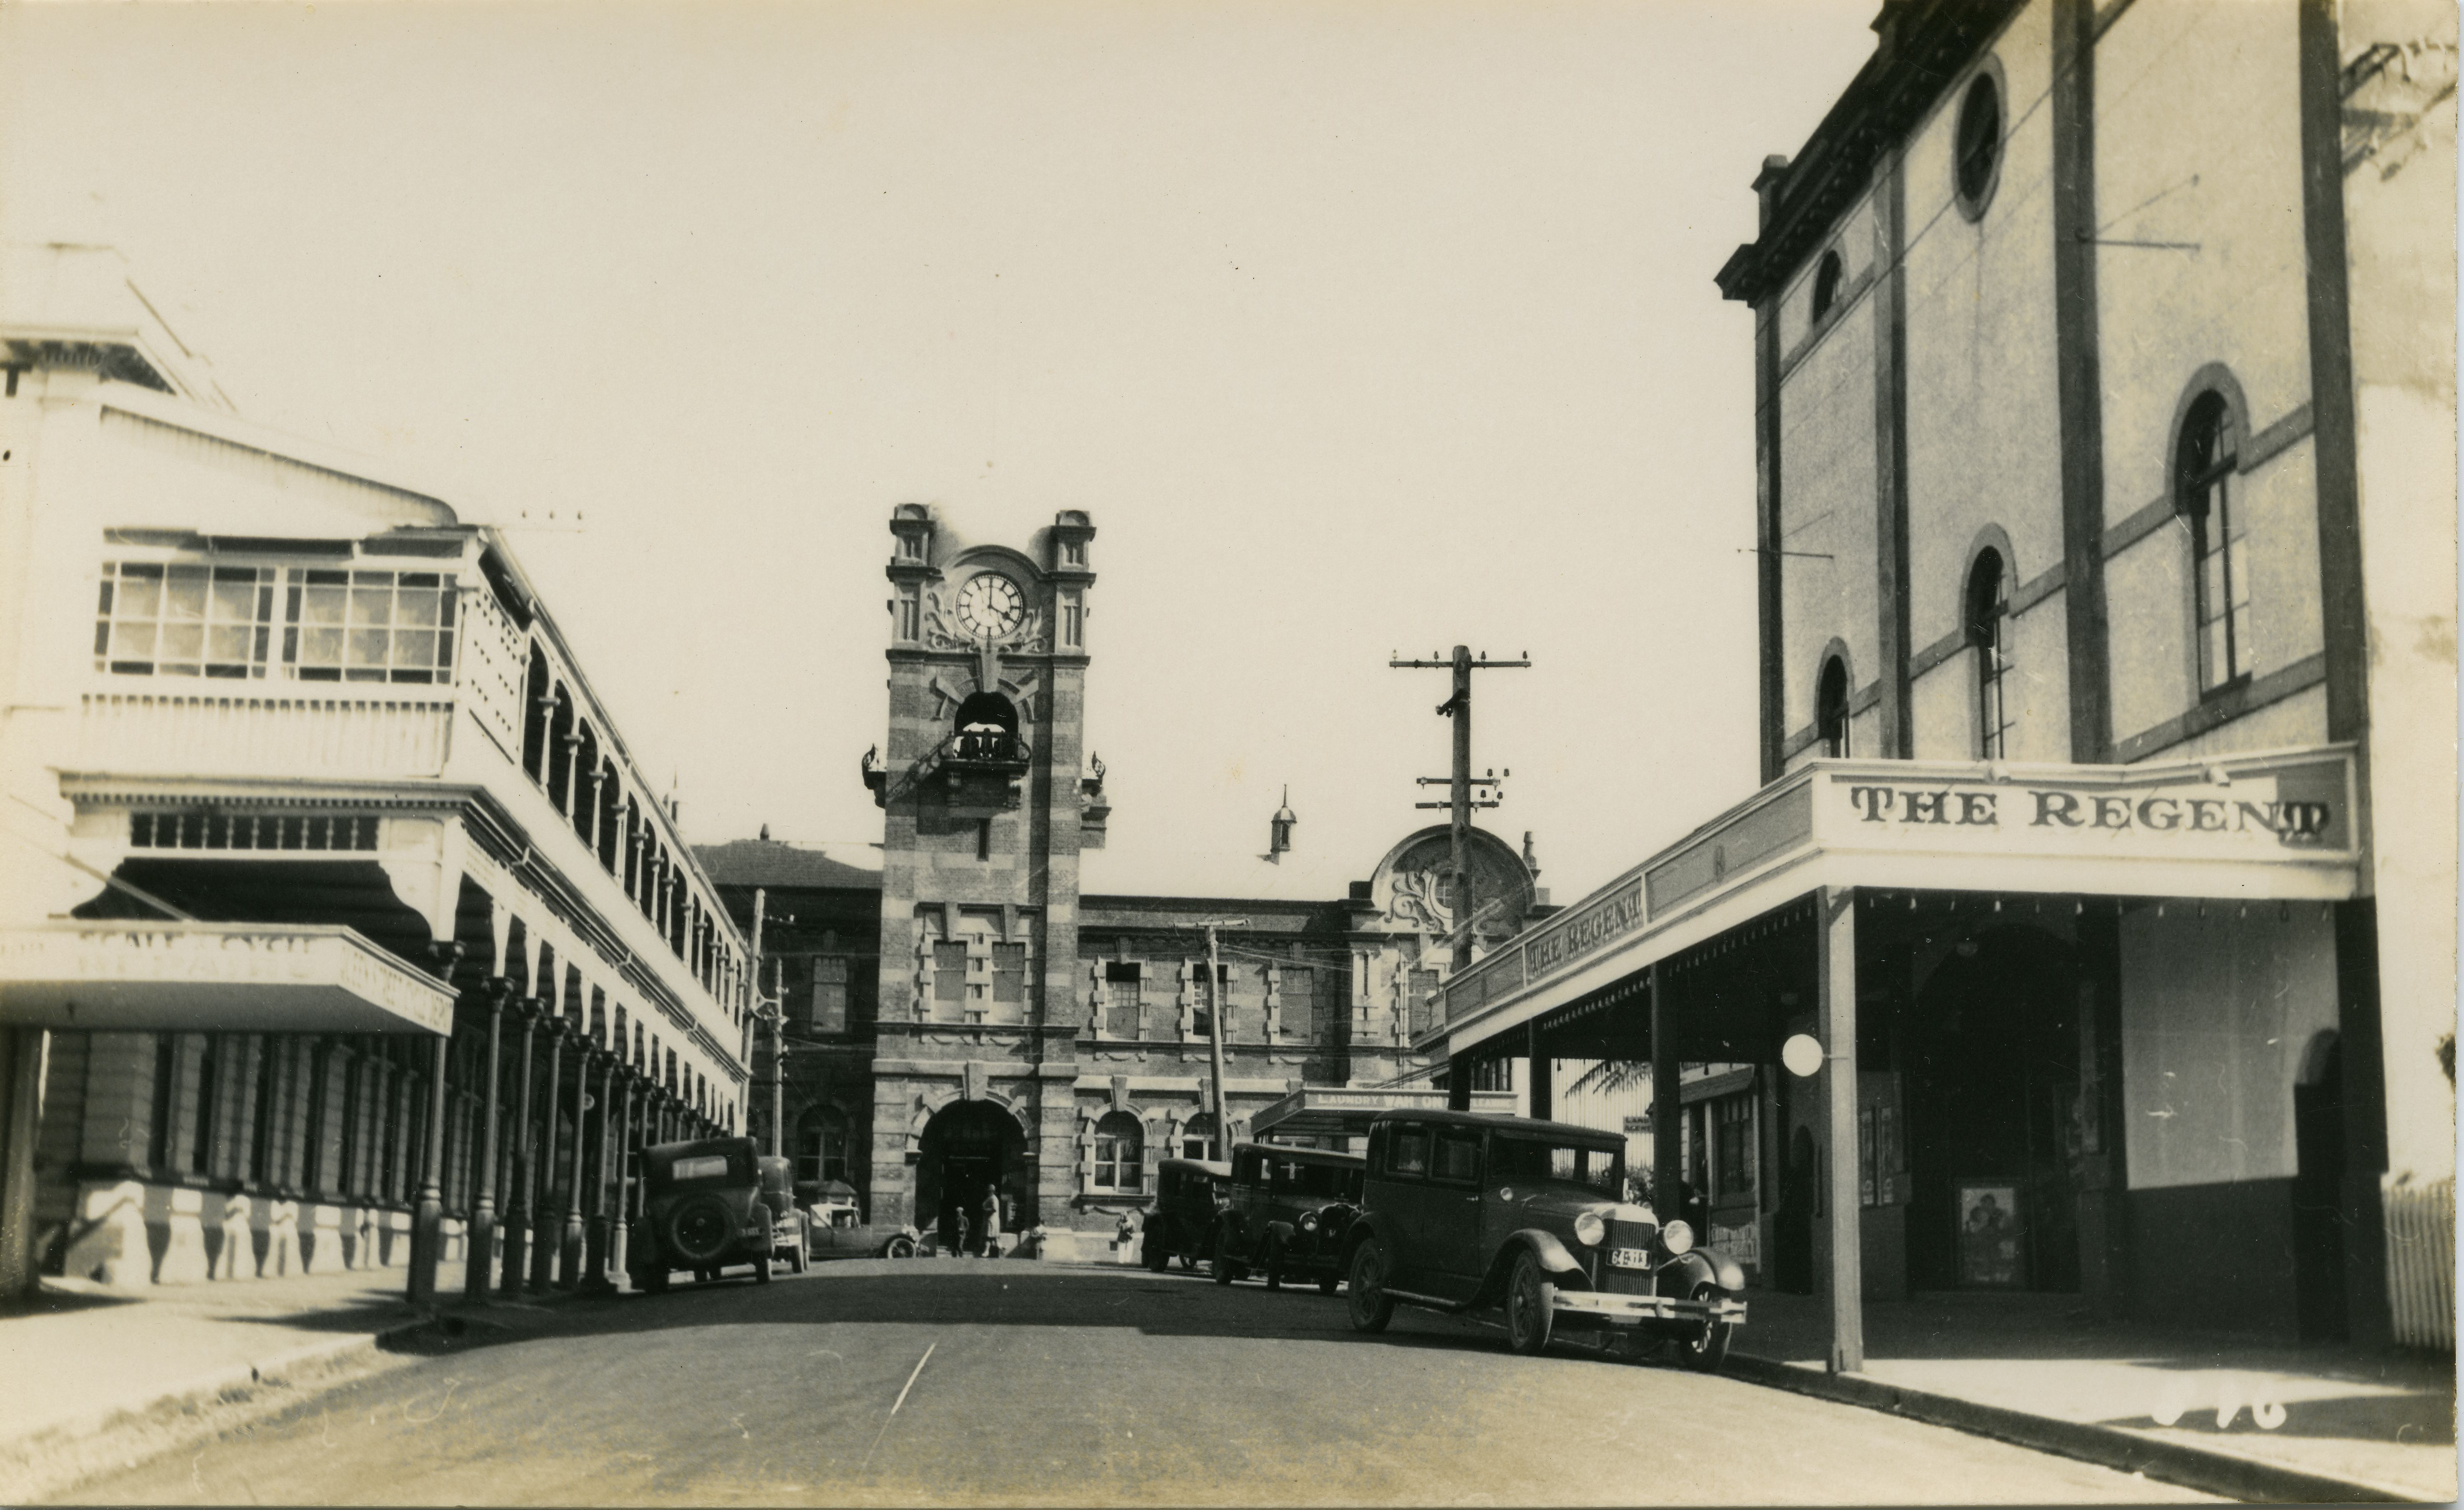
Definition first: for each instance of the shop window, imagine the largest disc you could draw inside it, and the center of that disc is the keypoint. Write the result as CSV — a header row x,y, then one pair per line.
x,y
822,1144
1826,285
2220,578
830,1003
369,627
154,620
1732,1150
1197,1137
1977,148
1122,998
1120,1154
1831,708
1989,633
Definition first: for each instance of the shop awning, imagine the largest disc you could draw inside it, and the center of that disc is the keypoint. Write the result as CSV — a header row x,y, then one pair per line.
x,y
1332,1112
222,977
2276,826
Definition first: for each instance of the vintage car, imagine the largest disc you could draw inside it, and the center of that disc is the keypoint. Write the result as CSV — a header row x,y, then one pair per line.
x,y
1286,1215
702,1210
1190,1195
1462,1213
789,1224
838,1231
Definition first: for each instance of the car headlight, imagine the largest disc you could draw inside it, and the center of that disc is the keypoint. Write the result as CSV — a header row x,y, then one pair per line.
x,y
1589,1229
1309,1222
1676,1237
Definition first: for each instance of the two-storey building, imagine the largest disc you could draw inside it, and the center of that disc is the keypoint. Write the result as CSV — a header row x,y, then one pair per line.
x,y
342,929
2104,864
958,1019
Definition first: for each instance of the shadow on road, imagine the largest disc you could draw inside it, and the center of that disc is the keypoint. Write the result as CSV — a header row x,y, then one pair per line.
x,y
935,1295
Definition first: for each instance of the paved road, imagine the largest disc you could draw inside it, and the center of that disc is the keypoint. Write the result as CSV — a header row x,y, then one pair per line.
x,y
1063,1386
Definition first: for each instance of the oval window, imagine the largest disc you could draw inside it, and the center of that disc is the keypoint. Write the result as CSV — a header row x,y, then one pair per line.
x,y
1979,143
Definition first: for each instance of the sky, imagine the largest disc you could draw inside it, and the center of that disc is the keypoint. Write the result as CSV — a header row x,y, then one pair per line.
x,y
1358,327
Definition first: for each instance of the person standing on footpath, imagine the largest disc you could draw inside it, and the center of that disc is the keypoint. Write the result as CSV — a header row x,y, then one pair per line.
x,y
991,1225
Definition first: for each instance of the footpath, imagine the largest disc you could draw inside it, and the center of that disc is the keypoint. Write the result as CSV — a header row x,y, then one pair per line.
x,y
93,1377
2238,1416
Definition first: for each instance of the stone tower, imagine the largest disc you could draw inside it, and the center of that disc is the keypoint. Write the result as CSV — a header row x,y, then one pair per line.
x,y
987,799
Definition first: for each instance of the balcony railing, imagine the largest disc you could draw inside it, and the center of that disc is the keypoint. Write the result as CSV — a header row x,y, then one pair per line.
x,y
198,730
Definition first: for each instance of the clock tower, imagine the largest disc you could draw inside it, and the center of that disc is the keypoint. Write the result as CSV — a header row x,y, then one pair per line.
x,y
987,799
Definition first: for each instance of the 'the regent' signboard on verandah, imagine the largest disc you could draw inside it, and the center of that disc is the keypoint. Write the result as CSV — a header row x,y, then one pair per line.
x,y
2296,807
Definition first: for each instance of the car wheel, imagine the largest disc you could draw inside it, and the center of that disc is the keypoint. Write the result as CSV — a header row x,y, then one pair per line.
x,y
701,1231
1368,1301
899,1248
1529,1306
1274,1263
761,1269
1706,1352
797,1262
1224,1264
1158,1254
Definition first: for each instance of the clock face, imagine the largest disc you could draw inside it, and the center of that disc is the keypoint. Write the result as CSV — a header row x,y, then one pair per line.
x,y
990,605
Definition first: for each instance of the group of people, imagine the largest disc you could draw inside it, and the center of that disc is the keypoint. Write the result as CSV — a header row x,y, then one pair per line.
x,y
970,1226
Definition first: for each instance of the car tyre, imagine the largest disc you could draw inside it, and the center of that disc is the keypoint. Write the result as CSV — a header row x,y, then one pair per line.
x,y
761,1269
899,1248
1530,1306
1369,1307
797,1262
1153,1248
1273,1263
1706,1352
701,1231
1225,1269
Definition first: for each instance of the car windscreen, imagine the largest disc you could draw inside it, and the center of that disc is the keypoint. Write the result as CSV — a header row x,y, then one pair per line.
x,y
699,1167
1325,1182
1539,1161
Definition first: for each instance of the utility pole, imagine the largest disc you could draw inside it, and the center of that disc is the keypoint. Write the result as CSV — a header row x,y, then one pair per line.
x,y
778,1008
1460,799
761,1008
1215,1031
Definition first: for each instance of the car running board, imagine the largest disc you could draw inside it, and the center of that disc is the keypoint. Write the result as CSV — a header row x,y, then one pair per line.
x,y
1427,1302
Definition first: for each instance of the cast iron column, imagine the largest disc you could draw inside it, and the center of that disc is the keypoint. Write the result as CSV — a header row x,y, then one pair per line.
x,y
547,1227
428,1215
569,1254
481,1263
1667,1111
518,1193
594,1265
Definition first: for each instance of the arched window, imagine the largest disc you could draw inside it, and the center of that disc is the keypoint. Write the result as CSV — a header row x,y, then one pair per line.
x,y
1826,284
2220,578
1198,1140
1988,631
822,1144
1120,1154
1831,708
1978,145
534,711
560,751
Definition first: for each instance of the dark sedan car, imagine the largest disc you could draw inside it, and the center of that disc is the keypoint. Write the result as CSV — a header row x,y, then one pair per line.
x,y
1287,1212
1462,1213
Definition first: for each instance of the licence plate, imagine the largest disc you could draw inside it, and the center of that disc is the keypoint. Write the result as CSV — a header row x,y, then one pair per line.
x,y
1629,1257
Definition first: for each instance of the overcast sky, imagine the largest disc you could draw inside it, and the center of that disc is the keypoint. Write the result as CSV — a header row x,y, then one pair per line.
x,y
1357,328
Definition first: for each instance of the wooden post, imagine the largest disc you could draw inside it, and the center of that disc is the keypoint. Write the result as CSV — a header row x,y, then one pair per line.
x,y
1543,1092
21,1098
1835,973
1668,1119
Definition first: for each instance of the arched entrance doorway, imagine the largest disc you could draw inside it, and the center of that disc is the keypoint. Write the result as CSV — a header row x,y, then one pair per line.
x,y
970,1148
1992,1116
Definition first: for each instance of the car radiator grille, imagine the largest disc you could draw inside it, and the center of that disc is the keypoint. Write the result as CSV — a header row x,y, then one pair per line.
x,y
1642,1236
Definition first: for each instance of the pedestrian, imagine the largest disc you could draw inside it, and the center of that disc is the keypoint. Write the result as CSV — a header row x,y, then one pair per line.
x,y
991,1225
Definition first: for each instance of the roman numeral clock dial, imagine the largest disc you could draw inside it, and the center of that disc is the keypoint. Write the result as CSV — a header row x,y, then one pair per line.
x,y
990,605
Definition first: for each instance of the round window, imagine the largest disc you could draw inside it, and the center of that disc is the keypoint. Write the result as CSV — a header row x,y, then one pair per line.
x,y
1979,143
